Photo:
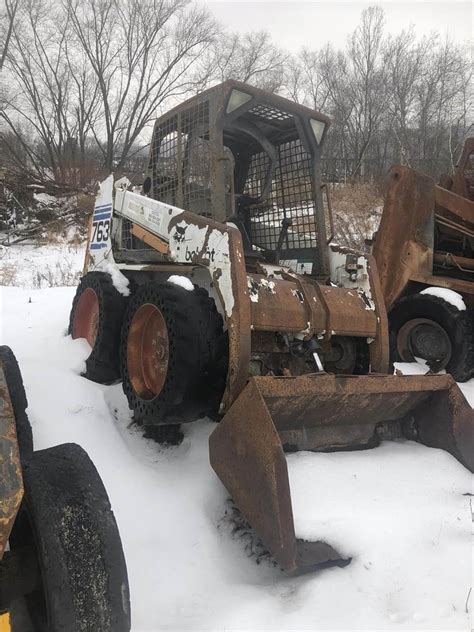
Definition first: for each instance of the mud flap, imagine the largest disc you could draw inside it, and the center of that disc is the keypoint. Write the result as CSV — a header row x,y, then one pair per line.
x,y
325,413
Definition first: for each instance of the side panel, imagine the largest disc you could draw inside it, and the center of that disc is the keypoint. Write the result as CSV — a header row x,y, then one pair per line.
x,y
200,241
404,242
280,305
99,242
404,246
463,180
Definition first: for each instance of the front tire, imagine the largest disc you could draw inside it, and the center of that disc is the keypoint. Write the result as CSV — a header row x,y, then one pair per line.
x,y
173,354
67,520
97,315
427,326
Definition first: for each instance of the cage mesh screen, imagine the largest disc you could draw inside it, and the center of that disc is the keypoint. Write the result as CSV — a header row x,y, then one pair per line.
x,y
291,197
268,113
180,160
126,235
164,161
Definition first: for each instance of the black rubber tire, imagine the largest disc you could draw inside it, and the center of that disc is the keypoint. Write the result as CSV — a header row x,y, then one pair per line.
x,y
67,516
19,402
103,364
457,324
198,356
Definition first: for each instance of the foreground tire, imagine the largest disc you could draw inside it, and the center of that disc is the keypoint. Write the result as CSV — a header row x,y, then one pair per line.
x,y
429,327
97,315
19,402
173,354
66,517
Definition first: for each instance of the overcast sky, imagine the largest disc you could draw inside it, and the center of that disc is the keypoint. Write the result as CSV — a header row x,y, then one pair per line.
x,y
295,24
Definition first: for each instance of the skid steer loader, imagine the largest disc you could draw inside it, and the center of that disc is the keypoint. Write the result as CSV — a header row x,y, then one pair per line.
x,y
215,290
62,567
424,250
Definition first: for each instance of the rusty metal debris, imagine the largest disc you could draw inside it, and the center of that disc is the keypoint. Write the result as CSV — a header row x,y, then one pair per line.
x,y
425,241
11,484
420,221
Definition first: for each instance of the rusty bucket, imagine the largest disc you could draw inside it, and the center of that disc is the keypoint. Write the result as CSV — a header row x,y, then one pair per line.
x,y
321,412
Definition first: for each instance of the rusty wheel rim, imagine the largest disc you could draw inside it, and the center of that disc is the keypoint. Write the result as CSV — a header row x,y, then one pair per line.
x,y
148,351
424,338
86,317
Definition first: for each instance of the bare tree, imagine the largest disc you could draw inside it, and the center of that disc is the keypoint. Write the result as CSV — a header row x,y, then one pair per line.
x,y
350,86
405,59
251,57
84,79
51,95
392,99
308,79
442,84
140,52
7,20
365,84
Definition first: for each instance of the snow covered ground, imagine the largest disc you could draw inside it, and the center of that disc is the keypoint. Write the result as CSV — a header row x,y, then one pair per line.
x,y
33,266
402,511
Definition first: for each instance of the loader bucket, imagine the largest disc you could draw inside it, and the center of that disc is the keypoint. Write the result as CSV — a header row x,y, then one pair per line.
x,y
325,413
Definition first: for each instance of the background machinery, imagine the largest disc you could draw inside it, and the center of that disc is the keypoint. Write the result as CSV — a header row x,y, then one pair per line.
x,y
62,567
424,250
215,291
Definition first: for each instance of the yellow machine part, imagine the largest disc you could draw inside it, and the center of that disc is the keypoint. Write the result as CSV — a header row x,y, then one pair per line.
x,y
5,622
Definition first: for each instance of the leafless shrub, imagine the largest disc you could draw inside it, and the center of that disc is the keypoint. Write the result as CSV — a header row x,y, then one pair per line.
x,y
357,209
61,274
8,274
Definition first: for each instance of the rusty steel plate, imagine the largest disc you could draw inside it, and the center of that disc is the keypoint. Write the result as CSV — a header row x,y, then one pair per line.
x,y
11,482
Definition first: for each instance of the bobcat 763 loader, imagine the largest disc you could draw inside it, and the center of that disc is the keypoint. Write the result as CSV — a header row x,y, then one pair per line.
x,y
424,250
238,307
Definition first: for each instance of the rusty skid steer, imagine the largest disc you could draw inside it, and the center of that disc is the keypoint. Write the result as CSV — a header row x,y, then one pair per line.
x,y
215,290
424,250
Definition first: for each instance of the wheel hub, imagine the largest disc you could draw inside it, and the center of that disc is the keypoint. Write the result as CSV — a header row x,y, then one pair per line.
x,y
86,317
148,351
424,338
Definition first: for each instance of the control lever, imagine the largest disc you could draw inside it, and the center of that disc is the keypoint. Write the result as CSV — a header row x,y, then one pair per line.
x,y
285,224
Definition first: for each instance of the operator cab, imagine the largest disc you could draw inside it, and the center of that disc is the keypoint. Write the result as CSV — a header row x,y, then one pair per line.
x,y
242,155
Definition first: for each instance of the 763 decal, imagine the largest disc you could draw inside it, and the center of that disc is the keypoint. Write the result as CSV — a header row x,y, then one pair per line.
x,y
100,230
101,226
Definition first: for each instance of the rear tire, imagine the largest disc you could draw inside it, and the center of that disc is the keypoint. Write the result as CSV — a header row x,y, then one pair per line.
x,y
456,325
97,314
67,518
19,402
188,382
